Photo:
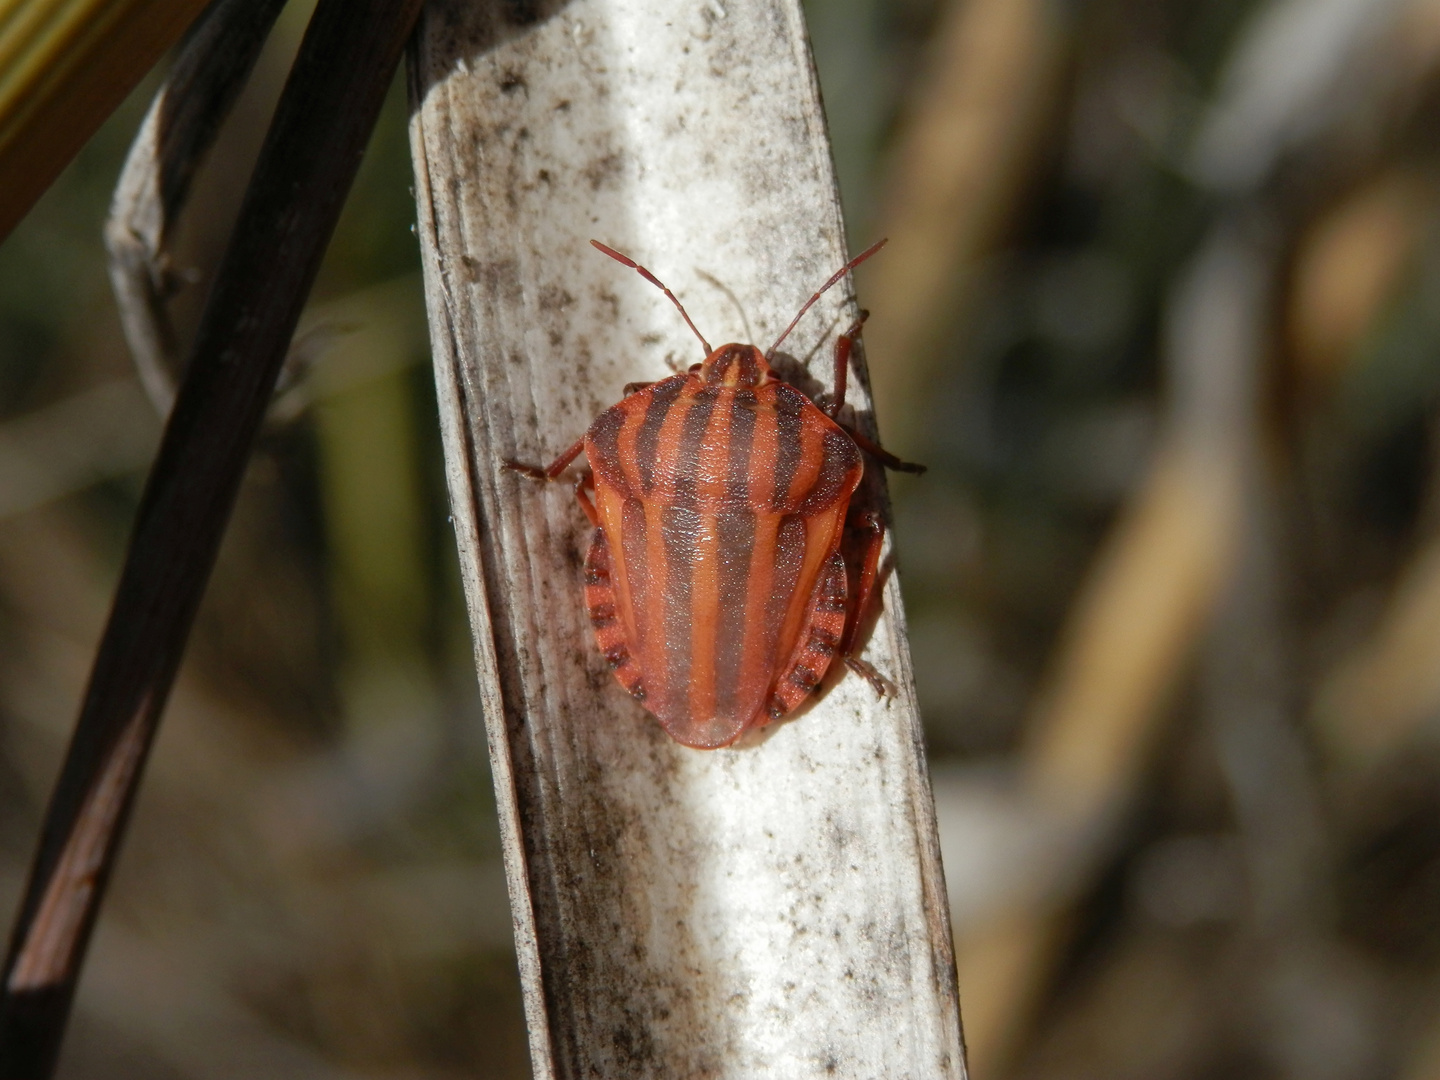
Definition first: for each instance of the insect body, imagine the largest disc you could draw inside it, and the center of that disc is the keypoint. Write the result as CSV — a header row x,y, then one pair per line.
x,y
714,580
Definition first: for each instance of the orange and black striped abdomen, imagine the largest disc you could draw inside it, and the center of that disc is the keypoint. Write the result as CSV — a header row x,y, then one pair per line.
x,y
721,508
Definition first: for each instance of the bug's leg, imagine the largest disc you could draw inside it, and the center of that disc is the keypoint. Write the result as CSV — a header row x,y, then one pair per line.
x,y
880,454
869,572
635,387
551,471
844,344
825,634
585,496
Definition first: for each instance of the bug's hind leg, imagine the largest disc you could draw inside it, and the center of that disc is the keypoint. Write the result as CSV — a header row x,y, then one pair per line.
x,y
605,618
824,633
864,593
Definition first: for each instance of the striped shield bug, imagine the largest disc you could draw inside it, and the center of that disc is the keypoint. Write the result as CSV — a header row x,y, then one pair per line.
x,y
715,581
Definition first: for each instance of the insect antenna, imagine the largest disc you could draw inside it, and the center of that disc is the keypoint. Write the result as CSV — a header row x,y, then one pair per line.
x,y
659,285
856,261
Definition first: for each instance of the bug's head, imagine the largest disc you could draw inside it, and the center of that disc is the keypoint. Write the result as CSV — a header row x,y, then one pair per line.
x,y
736,365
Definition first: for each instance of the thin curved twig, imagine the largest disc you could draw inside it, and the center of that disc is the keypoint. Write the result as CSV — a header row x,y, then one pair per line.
x,y
185,117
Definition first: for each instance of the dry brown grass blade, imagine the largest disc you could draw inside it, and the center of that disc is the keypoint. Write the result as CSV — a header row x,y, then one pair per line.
x,y
1380,696
1348,265
978,118
1130,639
64,67
321,125
1133,633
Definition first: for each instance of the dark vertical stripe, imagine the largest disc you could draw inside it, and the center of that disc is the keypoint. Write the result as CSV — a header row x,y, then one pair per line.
x,y
648,441
749,361
742,438
789,561
679,528
839,467
788,407
692,442
736,528
604,448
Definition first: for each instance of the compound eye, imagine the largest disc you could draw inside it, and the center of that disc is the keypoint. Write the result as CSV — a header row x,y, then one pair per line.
x,y
695,368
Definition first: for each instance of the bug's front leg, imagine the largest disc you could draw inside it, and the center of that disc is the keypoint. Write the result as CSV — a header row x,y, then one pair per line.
x,y
860,606
584,483
844,345
551,471
585,496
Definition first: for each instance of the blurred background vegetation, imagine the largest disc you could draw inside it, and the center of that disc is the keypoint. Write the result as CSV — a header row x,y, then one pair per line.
x,y
1161,311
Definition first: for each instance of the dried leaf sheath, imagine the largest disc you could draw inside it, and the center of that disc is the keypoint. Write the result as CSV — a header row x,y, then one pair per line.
x,y
669,904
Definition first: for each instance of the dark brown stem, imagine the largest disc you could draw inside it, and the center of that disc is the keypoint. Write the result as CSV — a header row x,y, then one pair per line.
x,y
305,169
